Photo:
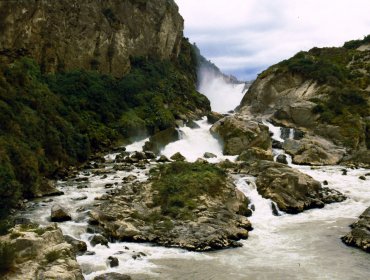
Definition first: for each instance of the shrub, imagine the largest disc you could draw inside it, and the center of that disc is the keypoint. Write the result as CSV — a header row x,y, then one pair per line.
x,y
179,185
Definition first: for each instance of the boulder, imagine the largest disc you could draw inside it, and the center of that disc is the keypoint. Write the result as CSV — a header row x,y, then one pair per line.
x,y
112,276
41,253
215,221
113,261
254,153
192,124
360,234
282,159
214,117
78,245
47,188
59,214
161,139
98,239
178,157
313,150
240,134
277,144
163,158
209,155
290,189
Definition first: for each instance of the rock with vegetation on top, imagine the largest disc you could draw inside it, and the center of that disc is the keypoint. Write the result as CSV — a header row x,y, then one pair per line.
x,y
290,189
38,253
161,139
240,134
194,206
209,155
178,157
213,117
360,233
59,214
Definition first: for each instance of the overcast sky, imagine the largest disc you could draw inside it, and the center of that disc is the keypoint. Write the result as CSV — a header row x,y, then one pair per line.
x,y
244,37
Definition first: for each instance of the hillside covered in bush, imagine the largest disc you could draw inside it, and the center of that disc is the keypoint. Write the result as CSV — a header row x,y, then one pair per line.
x,y
50,121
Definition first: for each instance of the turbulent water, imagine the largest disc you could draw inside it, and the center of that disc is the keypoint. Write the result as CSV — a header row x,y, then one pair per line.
x,y
302,246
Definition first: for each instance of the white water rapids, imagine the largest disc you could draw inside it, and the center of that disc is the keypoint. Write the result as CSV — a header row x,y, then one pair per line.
x,y
302,246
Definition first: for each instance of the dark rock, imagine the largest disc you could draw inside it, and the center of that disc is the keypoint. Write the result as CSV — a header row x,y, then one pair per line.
x,y
213,117
161,139
163,158
274,209
285,133
90,253
113,261
325,183
149,155
192,124
362,178
209,155
138,155
78,245
178,157
298,134
112,276
129,178
277,144
98,239
59,214
48,188
360,233
282,159
138,255
344,171
253,208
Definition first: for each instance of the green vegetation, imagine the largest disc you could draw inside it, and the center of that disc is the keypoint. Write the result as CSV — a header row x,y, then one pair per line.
x,y
344,77
50,121
180,184
354,44
52,256
7,255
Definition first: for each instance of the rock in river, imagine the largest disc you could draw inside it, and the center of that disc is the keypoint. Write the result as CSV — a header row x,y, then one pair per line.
x,y
360,233
290,189
59,214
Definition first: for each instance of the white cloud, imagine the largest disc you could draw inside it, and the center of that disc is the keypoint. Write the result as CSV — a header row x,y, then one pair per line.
x,y
249,35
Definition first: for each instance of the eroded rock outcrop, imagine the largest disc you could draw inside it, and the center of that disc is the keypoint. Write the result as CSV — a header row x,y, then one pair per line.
x,y
93,35
41,253
208,221
360,233
241,133
313,150
290,189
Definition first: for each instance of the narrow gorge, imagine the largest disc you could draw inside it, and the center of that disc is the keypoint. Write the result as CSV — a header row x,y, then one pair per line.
x,y
125,154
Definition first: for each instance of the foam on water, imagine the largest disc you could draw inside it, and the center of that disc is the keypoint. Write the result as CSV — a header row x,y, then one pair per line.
x,y
195,142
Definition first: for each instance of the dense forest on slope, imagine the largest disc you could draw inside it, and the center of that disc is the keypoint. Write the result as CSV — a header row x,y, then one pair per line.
x,y
50,121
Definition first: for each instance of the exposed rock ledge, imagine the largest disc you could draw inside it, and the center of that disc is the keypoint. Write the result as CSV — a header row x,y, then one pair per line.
x,y
290,189
360,233
41,253
216,222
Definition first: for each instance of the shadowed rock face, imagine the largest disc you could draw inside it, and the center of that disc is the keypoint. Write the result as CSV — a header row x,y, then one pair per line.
x,y
93,35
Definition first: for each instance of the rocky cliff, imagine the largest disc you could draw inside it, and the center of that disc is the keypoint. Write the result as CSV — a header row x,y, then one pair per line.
x,y
99,35
324,92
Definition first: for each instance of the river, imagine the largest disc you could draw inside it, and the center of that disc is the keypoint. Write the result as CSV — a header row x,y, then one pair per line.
x,y
302,246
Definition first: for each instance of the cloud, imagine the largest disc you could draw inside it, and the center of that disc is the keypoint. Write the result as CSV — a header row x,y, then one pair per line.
x,y
242,36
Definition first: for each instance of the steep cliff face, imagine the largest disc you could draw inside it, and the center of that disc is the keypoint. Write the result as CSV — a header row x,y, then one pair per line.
x,y
325,91
93,35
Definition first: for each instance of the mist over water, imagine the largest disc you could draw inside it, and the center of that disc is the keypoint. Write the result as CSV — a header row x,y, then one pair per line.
x,y
224,96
